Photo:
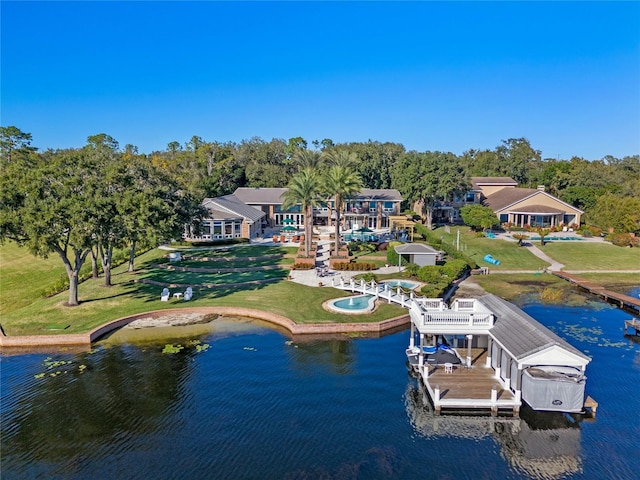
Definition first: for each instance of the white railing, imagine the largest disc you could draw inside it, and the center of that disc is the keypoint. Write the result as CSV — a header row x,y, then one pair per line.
x,y
425,311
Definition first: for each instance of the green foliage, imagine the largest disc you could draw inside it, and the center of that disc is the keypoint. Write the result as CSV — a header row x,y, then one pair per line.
x,y
426,179
412,269
392,255
169,348
478,216
454,269
367,277
622,214
430,274
434,290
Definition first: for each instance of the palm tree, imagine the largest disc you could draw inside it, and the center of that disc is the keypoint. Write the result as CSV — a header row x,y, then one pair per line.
x,y
341,182
304,189
307,159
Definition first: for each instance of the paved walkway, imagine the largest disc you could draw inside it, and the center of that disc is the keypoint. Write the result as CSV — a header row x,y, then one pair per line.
x,y
554,266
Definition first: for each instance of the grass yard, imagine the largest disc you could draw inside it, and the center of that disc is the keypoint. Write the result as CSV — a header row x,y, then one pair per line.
x,y
511,256
593,256
233,262
197,278
23,277
31,314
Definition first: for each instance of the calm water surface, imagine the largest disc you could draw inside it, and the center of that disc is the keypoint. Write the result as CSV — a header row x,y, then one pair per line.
x,y
255,404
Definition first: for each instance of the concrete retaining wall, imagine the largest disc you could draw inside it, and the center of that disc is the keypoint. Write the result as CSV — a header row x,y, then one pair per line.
x,y
294,328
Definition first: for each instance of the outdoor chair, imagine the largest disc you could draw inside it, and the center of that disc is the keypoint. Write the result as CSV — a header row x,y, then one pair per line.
x,y
164,296
188,294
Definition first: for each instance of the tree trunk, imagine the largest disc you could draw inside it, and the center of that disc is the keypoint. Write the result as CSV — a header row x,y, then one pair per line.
x,y
132,257
337,227
308,229
105,257
73,271
94,263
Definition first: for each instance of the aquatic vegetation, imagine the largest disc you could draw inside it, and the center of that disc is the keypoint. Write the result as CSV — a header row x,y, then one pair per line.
x,y
551,295
168,348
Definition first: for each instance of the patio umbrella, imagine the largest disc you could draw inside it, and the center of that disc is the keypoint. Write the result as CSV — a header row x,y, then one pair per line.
x,y
289,228
287,220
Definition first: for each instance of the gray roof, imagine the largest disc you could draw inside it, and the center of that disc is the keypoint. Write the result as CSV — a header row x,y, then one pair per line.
x,y
274,196
520,333
477,181
260,196
221,207
416,249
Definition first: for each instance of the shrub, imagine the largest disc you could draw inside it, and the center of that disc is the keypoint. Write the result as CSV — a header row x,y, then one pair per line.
x,y
435,290
430,274
624,240
354,266
303,266
392,255
367,277
412,269
454,268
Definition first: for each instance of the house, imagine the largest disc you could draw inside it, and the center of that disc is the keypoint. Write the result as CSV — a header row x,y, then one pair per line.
x,y
228,217
525,206
518,206
368,208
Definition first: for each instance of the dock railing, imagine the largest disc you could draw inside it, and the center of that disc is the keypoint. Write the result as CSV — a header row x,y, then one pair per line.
x,y
425,312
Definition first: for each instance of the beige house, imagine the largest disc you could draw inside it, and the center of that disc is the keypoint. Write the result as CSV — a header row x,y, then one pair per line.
x,y
524,206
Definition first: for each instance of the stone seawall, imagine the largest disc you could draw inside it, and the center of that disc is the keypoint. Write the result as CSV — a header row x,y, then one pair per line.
x,y
294,328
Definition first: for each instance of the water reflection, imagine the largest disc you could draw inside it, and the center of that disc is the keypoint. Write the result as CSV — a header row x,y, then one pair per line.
x,y
69,410
337,356
542,445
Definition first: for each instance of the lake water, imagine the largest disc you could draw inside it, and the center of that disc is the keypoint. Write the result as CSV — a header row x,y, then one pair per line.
x,y
247,402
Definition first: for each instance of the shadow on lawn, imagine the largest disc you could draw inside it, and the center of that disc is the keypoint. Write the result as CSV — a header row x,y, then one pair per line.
x,y
151,293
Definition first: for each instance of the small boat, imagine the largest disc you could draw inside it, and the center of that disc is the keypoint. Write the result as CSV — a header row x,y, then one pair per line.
x,y
433,355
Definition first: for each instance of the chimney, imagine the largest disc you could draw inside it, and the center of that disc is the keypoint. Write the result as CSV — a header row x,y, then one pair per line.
x,y
541,188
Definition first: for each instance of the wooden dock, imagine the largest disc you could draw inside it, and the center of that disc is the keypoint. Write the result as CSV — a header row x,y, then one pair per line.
x,y
632,324
468,388
625,302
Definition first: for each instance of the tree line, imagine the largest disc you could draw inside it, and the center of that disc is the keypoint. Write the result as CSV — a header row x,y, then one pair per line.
x,y
83,202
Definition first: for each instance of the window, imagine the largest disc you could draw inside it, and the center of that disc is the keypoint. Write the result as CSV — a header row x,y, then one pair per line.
x,y
471,197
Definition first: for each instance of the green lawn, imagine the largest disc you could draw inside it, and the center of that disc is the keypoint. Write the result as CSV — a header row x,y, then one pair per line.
x,y
196,278
511,256
23,276
31,314
593,256
234,262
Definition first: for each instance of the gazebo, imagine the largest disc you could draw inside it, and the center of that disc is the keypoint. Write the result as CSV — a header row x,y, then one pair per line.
x,y
403,222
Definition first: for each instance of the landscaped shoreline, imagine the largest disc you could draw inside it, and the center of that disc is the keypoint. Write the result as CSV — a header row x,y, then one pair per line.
x,y
24,341
26,314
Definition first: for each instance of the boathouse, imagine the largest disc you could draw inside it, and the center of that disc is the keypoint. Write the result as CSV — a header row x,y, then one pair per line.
x,y
510,357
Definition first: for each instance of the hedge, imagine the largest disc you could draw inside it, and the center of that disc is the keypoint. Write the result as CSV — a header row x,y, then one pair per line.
x,y
354,266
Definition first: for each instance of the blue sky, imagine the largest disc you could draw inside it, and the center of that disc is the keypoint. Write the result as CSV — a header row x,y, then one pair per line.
x,y
447,76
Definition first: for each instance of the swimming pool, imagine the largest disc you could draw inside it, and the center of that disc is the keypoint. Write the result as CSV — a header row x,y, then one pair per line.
x,y
353,305
406,284
551,239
